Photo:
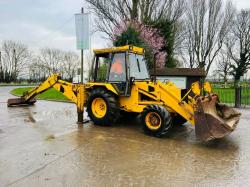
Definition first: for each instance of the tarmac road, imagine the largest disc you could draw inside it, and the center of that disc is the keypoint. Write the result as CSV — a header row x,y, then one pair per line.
x,y
42,146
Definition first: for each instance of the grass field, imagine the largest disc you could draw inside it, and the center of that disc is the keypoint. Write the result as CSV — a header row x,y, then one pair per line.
x,y
50,94
227,95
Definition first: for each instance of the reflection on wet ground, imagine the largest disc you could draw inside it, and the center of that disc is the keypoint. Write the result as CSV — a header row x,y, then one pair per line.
x,y
42,146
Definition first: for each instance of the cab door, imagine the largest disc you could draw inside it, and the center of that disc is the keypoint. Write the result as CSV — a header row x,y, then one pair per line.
x,y
118,73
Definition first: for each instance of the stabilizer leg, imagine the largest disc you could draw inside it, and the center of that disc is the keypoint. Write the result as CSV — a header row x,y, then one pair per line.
x,y
20,102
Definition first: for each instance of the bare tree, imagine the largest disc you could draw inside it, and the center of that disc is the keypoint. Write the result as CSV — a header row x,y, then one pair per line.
x,y
70,64
155,10
223,66
14,60
34,73
37,70
51,59
89,60
238,45
112,13
207,24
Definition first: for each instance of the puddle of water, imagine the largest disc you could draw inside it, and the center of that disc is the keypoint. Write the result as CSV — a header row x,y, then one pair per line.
x,y
50,137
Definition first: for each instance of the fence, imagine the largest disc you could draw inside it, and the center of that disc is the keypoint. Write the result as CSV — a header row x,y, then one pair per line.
x,y
235,97
245,97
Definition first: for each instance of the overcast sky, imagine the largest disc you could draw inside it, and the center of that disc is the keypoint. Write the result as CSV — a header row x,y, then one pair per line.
x,y
41,23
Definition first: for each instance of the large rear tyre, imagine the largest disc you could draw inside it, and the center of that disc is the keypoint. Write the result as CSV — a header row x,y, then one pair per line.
x,y
103,107
156,120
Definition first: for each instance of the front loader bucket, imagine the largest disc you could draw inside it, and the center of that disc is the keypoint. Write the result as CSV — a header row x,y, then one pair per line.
x,y
20,101
214,120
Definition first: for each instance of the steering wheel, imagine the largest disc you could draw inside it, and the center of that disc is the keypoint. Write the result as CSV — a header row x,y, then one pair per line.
x,y
115,76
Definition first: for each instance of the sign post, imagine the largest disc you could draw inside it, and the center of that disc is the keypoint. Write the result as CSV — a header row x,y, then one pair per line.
x,y
82,22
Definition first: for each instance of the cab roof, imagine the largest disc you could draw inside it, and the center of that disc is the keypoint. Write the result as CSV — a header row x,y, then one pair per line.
x,y
129,48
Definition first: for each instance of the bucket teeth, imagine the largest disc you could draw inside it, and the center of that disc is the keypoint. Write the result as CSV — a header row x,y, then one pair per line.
x,y
20,101
214,120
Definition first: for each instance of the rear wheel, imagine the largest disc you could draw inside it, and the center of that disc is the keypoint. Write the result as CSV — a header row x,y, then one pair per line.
x,y
156,120
102,107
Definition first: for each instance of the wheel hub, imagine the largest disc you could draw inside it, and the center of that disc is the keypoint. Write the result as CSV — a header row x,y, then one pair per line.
x,y
99,107
153,120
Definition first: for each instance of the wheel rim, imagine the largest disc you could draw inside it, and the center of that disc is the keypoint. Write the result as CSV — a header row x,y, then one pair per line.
x,y
153,120
99,107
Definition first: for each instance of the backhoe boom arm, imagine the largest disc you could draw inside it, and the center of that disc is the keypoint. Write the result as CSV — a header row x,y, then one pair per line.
x,y
49,83
74,93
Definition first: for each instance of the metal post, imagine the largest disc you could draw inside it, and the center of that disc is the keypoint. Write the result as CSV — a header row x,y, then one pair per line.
x,y
81,89
15,65
82,55
1,72
80,110
237,96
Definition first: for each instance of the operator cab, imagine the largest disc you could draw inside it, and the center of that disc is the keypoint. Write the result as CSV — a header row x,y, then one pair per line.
x,y
119,66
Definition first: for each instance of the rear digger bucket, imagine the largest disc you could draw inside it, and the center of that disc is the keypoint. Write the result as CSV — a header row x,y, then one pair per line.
x,y
20,101
214,120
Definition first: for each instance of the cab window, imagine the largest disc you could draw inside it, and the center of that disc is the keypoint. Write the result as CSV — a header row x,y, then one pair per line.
x,y
118,68
138,67
100,68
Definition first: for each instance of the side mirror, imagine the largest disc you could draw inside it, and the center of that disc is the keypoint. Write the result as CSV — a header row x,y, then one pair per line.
x,y
132,79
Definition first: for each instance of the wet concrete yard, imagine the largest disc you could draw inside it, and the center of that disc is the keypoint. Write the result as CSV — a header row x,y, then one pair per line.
x,y
42,146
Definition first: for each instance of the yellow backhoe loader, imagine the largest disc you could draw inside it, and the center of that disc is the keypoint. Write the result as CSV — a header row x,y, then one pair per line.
x,y
120,85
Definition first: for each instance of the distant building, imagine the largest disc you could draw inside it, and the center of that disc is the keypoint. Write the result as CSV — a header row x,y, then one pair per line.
x,y
181,77
77,78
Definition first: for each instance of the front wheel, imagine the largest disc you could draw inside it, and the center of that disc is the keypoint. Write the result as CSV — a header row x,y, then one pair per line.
x,y
103,107
156,120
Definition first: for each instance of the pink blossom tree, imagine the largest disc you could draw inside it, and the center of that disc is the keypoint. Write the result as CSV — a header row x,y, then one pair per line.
x,y
153,41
